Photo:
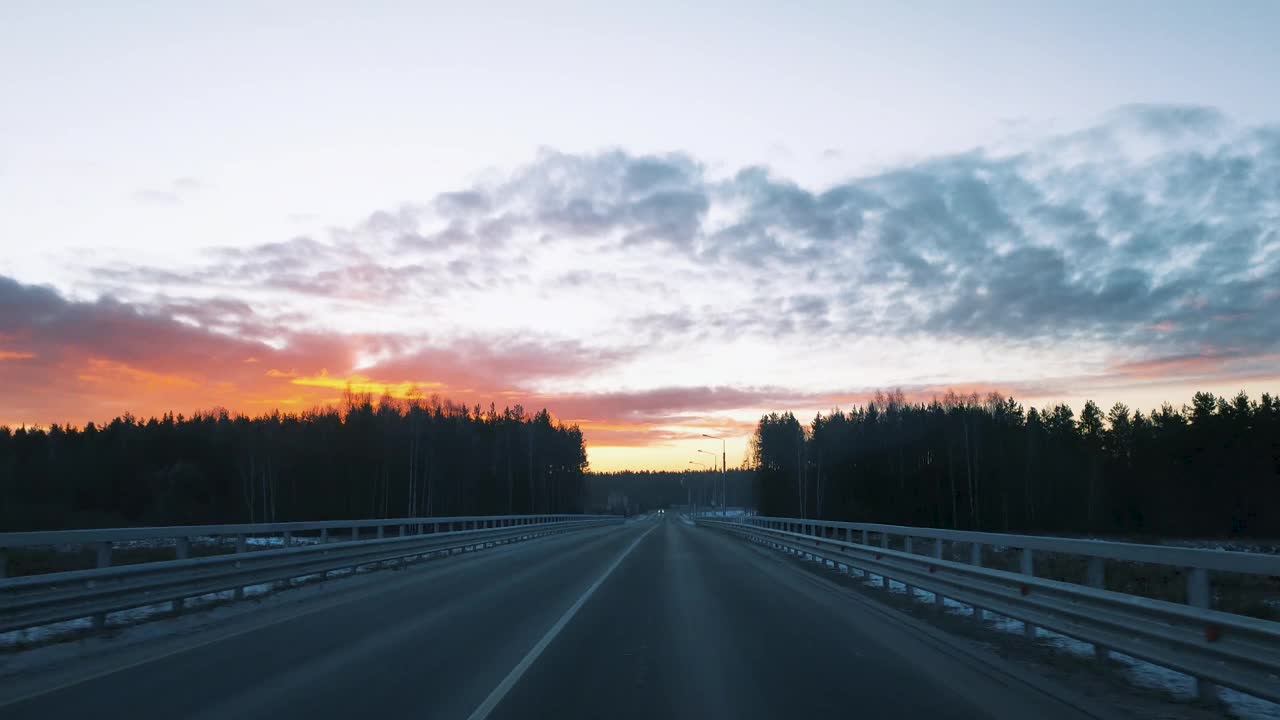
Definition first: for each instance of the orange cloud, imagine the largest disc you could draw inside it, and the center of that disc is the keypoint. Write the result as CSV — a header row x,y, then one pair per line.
x,y
99,360
364,384
1213,366
99,370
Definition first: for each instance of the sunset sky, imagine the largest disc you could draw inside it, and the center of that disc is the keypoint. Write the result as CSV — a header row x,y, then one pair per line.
x,y
656,223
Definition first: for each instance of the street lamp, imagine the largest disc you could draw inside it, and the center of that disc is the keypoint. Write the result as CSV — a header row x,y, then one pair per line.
x,y
689,489
713,480
713,457
724,469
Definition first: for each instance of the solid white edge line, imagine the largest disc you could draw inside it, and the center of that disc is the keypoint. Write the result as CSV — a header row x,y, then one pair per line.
x,y
518,671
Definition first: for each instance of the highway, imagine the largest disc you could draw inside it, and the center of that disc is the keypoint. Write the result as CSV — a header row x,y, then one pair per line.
x,y
651,619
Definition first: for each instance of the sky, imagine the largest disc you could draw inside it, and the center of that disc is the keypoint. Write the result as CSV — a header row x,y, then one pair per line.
x,y
658,221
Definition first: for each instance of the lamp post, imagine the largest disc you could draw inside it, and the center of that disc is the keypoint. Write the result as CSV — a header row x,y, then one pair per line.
x,y
724,469
714,459
704,469
713,481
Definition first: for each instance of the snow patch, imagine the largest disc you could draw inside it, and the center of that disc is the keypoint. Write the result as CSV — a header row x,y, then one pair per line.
x,y
1139,672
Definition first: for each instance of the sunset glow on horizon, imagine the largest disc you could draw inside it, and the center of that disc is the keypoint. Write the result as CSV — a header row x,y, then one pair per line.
x,y
655,246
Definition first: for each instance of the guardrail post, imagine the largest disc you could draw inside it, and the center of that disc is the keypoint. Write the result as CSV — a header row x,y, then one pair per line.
x,y
240,548
937,555
906,546
324,535
866,538
182,549
355,533
380,532
848,535
288,538
884,540
1096,576
975,559
104,554
1199,594
401,531
104,561
1027,566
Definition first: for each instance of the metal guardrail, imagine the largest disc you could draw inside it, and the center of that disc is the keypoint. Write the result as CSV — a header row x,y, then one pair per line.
x,y
1212,646
104,540
36,600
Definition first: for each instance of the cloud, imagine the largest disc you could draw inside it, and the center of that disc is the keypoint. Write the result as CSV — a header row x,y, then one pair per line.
x,y
1158,216
1161,214
1170,120
171,195
64,359
505,363
465,202
1152,234
645,199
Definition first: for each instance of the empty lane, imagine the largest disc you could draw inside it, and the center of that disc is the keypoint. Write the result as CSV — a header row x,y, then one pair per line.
x,y
651,619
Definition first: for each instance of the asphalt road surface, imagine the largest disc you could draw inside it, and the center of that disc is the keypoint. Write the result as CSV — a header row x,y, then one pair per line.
x,y
652,619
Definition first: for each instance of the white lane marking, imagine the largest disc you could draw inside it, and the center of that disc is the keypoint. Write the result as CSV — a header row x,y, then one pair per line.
x,y
518,671
218,634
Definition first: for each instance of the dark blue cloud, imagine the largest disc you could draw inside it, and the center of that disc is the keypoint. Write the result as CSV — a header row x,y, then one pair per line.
x,y
1156,229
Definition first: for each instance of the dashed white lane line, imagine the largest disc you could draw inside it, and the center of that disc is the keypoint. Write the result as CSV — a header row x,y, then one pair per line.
x,y
521,667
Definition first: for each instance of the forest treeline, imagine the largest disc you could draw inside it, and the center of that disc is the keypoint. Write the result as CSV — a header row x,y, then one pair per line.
x,y
1211,468
366,459
648,490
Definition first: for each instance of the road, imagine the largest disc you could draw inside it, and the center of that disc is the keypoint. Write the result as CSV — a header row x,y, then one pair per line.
x,y
653,619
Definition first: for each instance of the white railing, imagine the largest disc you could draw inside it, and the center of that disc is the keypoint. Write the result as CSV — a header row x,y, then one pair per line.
x,y
1210,645
44,599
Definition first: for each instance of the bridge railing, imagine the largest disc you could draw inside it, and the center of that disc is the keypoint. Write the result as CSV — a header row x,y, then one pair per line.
x,y
47,598
1213,646
181,538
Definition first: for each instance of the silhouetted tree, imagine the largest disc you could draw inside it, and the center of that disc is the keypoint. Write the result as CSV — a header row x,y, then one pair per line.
x,y
1210,468
389,458
648,490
